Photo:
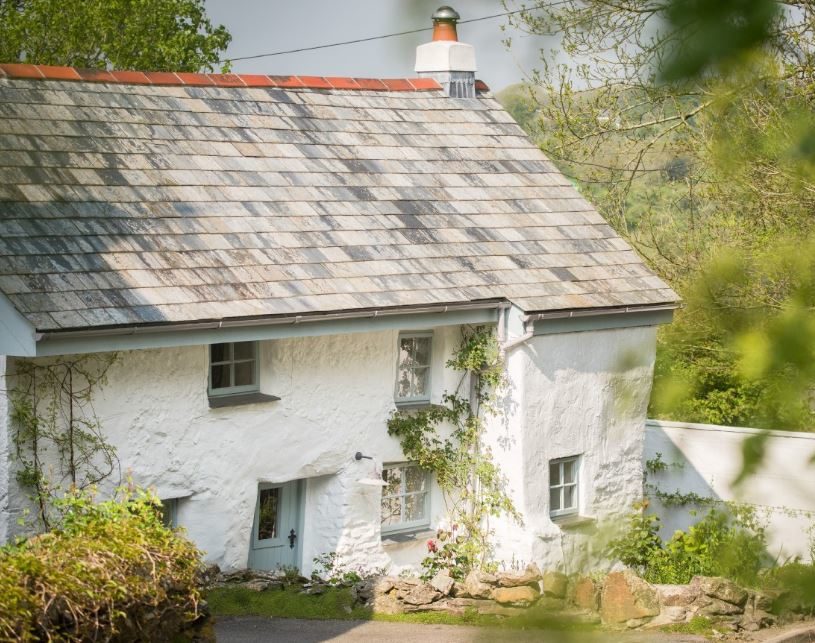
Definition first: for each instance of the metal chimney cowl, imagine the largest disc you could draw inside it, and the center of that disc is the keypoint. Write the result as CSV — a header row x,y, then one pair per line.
x,y
450,62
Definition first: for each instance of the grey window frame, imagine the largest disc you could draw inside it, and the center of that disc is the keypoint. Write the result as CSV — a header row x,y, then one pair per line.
x,y
571,511
169,512
412,525
428,334
233,390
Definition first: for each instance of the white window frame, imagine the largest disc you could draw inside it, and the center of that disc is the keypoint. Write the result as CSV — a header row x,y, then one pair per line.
x,y
418,399
233,390
413,525
570,511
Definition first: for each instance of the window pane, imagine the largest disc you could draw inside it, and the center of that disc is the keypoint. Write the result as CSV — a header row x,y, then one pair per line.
x,y
220,376
267,516
568,471
394,479
570,497
414,507
405,351
554,499
422,351
414,479
244,373
403,383
391,511
554,474
421,381
218,352
244,350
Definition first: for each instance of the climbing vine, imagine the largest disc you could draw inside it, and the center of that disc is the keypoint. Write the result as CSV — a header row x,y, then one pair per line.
x,y
58,438
472,483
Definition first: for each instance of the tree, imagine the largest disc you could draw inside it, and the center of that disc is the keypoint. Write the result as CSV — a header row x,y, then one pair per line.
x,y
155,35
727,86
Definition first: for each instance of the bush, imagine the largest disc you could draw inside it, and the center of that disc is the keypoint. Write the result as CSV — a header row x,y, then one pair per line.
x,y
110,571
723,543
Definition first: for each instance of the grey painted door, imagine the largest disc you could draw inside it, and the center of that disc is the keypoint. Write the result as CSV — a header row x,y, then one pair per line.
x,y
277,519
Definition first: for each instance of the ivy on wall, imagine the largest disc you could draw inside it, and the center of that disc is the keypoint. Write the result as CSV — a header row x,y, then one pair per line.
x,y
57,435
446,439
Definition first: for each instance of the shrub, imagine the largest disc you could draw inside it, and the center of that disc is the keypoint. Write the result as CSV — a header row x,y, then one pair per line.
x,y
110,570
723,543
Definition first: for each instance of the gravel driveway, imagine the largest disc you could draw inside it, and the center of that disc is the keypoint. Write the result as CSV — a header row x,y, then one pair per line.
x,y
283,630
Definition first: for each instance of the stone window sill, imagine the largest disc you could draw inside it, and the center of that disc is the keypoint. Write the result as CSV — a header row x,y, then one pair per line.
x,y
219,402
403,537
574,521
417,406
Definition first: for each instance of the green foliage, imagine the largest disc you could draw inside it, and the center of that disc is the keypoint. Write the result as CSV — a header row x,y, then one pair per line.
x,y
332,570
287,602
701,625
160,35
723,543
450,551
446,439
794,586
107,570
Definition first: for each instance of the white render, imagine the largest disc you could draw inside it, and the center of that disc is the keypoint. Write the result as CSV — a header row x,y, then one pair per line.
x,y
710,459
571,393
445,55
5,462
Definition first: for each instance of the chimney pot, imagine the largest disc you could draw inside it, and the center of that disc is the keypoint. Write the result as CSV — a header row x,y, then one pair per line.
x,y
444,24
448,61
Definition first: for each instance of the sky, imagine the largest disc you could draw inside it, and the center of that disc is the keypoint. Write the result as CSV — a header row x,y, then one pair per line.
x,y
261,26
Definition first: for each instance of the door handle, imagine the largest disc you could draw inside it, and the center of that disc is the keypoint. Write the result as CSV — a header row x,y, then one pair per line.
x,y
292,538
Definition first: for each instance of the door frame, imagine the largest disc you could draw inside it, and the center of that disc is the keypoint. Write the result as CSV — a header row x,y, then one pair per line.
x,y
297,506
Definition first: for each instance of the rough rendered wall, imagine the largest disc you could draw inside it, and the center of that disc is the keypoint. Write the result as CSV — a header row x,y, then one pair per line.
x,y
5,516
572,394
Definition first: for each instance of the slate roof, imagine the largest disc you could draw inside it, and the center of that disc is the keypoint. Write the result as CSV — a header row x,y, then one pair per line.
x,y
180,198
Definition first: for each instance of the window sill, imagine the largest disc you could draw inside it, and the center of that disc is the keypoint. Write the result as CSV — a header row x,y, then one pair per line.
x,y
573,521
417,406
219,402
402,537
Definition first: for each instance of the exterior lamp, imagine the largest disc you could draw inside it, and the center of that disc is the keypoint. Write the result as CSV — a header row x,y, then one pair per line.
x,y
375,480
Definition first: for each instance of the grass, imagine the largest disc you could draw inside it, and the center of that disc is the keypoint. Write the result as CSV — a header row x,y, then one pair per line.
x,y
700,625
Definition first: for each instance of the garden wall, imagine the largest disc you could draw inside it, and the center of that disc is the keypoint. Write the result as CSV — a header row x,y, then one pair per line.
x,y
705,459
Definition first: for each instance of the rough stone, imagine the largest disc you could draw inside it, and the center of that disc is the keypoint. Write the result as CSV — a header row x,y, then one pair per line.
x,y
388,604
258,585
626,597
530,576
668,615
518,596
551,604
421,595
555,584
492,609
585,594
442,583
708,606
384,585
721,589
475,587
677,595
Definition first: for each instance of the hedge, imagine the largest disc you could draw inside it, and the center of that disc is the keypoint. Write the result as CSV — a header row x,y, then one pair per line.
x,y
111,572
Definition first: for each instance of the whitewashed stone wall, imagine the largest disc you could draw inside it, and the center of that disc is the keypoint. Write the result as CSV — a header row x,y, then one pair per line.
x,y
709,459
577,393
5,514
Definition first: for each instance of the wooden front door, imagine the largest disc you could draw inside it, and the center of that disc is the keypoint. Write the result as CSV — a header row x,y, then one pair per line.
x,y
275,532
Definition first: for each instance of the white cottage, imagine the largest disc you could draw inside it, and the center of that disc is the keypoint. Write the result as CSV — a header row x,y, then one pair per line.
x,y
283,261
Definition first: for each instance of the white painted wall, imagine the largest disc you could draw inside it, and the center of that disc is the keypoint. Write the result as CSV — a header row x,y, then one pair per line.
x,y
710,459
5,515
572,393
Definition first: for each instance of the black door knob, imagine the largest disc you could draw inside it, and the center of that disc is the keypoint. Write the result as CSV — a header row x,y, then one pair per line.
x,y
292,538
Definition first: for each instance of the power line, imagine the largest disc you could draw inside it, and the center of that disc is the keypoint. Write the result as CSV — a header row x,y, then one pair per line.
x,y
388,35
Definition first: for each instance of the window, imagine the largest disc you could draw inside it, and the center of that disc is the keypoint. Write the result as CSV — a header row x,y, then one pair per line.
x,y
233,368
268,513
563,486
413,374
405,505
169,512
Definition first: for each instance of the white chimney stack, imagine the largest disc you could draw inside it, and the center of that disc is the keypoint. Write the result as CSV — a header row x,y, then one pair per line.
x,y
448,61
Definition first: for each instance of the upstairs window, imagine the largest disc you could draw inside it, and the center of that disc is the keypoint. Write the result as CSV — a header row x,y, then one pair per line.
x,y
405,505
233,368
413,372
563,486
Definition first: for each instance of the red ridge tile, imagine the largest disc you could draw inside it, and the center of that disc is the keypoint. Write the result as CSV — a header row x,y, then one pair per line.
x,y
286,81
257,80
163,78
315,82
21,70
397,84
96,75
226,80
424,83
342,83
131,77
481,86
371,83
194,79
53,72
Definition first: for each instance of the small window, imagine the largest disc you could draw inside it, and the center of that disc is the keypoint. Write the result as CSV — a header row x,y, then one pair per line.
x,y
413,374
169,512
405,505
268,514
233,368
563,489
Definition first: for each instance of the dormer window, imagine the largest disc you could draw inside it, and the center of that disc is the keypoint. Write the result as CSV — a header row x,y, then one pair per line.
x,y
413,372
233,368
